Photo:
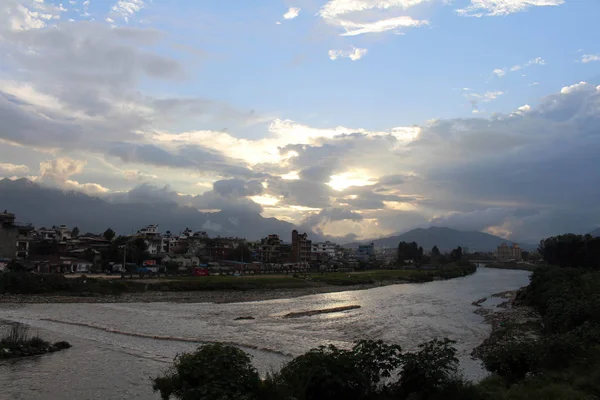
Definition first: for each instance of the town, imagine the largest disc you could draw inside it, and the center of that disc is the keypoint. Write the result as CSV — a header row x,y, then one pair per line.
x,y
148,252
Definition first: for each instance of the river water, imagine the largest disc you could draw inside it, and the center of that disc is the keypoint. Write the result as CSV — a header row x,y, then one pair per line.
x,y
118,347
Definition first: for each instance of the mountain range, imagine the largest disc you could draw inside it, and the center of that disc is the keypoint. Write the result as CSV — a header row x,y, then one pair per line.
x,y
44,206
446,239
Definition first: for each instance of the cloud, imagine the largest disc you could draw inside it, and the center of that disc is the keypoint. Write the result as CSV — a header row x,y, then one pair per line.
x,y
535,61
20,16
500,72
357,17
292,13
586,58
8,169
476,98
493,8
127,8
354,54
57,172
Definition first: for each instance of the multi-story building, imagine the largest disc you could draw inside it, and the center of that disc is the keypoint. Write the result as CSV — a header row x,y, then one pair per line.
x,y
387,255
14,238
301,247
152,238
270,249
366,252
325,248
8,235
506,252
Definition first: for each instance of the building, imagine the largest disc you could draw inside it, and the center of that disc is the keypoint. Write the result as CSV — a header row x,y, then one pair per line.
x,y
387,255
326,248
152,238
366,252
8,235
14,237
301,247
270,249
506,252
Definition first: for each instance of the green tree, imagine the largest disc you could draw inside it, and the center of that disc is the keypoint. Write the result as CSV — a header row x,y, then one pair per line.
x,y
435,252
456,254
409,251
242,253
331,373
109,234
213,372
138,251
430,370
75,232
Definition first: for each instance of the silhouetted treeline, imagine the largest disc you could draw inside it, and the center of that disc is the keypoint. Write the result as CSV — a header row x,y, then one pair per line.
x,y
576,251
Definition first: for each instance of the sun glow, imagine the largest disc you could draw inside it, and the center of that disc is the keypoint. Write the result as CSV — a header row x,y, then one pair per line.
x,y
347,179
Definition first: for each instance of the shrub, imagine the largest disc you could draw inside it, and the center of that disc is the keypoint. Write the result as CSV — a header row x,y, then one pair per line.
x,y
512,361
213,372
431,370
331,373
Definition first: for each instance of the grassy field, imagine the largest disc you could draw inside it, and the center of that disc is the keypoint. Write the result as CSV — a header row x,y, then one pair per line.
x,y
27,283
254,282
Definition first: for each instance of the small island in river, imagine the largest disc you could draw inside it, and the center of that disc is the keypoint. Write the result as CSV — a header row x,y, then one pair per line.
x,y
17,342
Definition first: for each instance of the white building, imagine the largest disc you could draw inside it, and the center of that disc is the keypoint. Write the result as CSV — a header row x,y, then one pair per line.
x,y
152,238
328,248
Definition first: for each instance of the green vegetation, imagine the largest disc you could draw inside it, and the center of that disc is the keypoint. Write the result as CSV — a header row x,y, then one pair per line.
x,y
513,265
22,282
369,370
16,342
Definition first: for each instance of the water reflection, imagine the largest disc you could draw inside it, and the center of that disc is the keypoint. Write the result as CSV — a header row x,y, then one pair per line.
x,y
108,362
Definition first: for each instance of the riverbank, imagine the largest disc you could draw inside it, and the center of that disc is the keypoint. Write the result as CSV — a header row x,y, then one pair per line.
x,y
511,322
519,266
229,289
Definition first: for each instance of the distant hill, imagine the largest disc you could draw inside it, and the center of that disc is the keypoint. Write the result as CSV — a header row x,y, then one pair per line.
x,y
595,232
446,239
43,206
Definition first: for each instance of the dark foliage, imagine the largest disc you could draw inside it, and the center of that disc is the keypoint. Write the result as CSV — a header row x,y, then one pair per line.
x,y
213,372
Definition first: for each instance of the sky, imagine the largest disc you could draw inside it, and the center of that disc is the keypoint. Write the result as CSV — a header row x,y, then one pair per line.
x,y
352,118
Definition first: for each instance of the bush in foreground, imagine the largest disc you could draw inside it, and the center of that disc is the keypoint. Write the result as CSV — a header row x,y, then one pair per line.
x,y
369,370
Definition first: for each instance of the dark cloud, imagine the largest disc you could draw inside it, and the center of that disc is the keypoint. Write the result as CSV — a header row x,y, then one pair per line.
x,y
300,192
391,180
238,188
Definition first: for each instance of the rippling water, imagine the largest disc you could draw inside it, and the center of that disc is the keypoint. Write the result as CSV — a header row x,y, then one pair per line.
x,y
117,347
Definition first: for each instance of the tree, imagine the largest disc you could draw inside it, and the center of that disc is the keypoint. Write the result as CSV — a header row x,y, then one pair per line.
x,y
456,254
431,369
75,232
571,250
109,234
331,373
242,253
213,372
138,251
435,252
409,251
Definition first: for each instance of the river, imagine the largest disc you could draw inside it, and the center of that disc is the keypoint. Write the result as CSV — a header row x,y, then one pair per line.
x,y
116,350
